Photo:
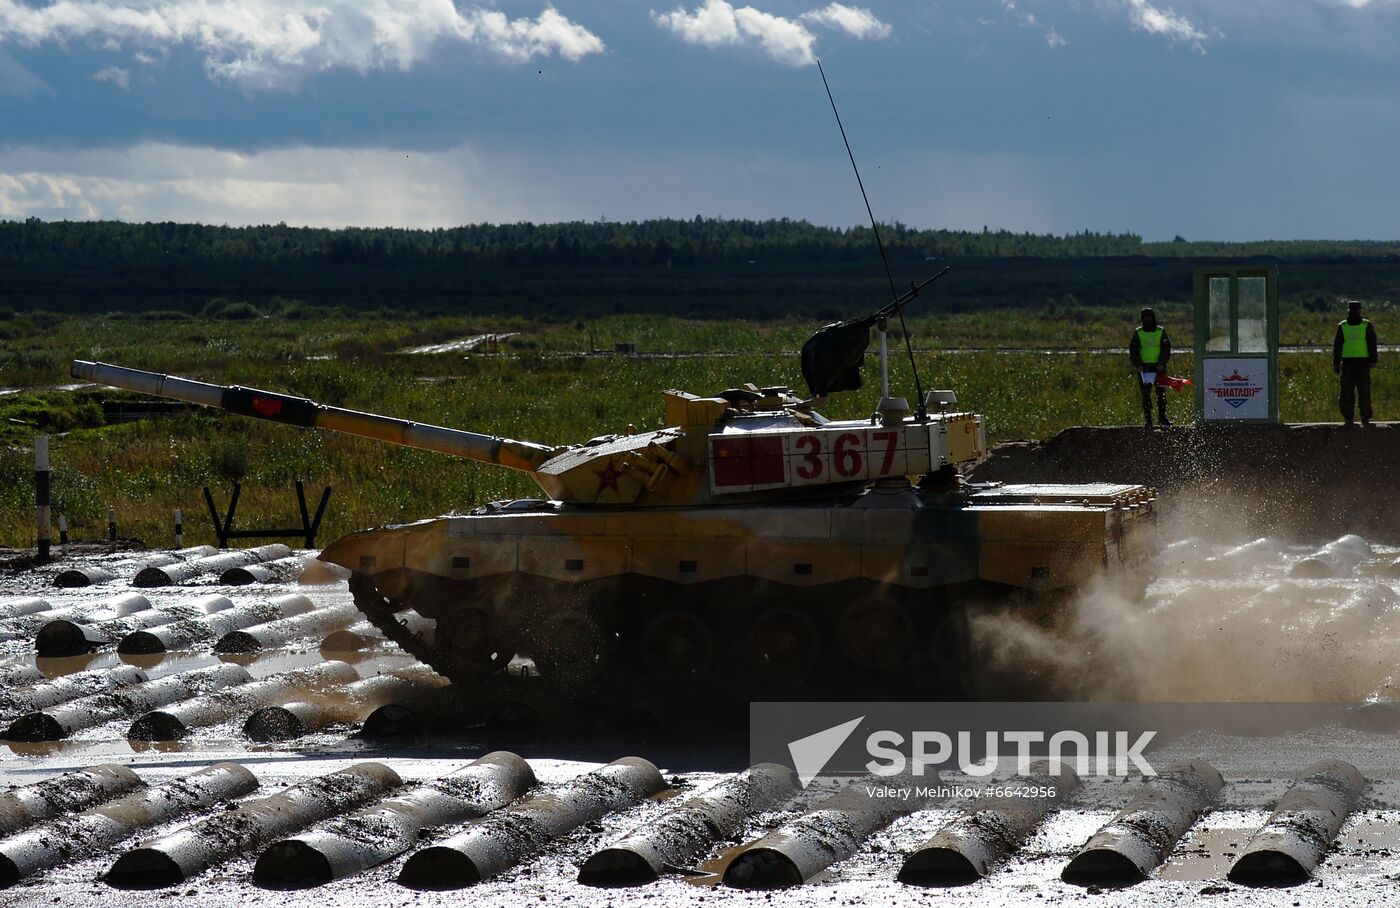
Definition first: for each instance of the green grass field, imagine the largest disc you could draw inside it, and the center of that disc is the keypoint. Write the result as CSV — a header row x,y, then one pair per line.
x,y
541,388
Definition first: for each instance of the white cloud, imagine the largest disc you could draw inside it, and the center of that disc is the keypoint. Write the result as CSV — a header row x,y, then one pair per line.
x,y
114,74
273,44
1027,19
1169,24
782,39
856,21
712,24
718,22
315,186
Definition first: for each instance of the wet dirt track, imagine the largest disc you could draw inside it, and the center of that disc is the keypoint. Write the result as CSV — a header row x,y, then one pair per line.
x,y
1343,601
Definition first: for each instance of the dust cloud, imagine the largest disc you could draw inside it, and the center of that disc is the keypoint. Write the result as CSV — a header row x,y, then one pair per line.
x,y
1265,619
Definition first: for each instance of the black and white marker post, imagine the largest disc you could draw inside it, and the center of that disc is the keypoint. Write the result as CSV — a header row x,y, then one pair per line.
x,y
41,496
179,529
62,536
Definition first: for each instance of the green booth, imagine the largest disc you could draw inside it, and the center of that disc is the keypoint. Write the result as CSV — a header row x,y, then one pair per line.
x,y
1236,371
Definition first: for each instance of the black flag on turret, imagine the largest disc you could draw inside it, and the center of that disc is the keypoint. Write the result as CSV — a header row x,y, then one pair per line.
x,y
831,358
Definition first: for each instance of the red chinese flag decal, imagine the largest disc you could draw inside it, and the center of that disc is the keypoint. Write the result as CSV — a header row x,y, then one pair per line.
x,y
733,466
767,453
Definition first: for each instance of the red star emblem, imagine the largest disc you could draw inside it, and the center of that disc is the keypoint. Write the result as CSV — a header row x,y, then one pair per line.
x,y
608,477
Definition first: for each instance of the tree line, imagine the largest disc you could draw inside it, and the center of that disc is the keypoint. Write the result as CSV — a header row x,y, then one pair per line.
x,y
698,266
680,241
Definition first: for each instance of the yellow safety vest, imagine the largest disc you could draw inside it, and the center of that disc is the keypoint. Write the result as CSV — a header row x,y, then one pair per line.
x,y
1354,340
1150,345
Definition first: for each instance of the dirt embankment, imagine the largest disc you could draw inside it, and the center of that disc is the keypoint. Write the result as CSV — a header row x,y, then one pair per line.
x,y
1303,482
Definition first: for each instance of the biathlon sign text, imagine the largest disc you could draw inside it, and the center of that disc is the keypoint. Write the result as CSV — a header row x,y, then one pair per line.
x,y
1236,388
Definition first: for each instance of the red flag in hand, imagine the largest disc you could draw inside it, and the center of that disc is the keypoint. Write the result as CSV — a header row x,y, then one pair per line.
x,y
1171,381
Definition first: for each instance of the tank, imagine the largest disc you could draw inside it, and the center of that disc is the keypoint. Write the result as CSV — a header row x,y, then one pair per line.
x,y
752,549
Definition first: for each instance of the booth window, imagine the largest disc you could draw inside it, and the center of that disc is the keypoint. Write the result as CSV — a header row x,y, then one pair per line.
x,y
1219,339
1254,315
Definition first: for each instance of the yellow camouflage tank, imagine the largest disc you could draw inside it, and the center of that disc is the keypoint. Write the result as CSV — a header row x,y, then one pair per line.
x,y
753,548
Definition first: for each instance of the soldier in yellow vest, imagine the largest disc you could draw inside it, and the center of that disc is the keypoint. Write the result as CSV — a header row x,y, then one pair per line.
x,y
1149,351
1353,354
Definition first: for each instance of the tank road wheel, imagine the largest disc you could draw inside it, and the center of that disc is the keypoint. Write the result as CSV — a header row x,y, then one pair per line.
x,y
678,648
572,649
876,634
784,646
472,639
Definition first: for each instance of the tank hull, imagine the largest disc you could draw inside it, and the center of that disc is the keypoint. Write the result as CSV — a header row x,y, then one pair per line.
x,y
782,601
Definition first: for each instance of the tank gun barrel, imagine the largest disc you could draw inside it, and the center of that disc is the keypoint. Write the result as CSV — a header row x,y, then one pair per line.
x,y
298,411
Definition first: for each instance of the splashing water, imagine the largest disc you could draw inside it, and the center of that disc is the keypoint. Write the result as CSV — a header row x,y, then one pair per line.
x,y
1265,620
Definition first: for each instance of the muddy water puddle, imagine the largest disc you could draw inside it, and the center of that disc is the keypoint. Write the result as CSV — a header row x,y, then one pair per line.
x,y
120,751
58,666
40,748
710,872
272,662
157,665
1369,842
1206,854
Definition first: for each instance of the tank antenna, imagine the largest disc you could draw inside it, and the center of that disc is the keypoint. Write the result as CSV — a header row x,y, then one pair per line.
x,y
894,294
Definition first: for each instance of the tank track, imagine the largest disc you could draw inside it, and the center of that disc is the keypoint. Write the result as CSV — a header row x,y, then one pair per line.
x,y
379,611
730,679
503,696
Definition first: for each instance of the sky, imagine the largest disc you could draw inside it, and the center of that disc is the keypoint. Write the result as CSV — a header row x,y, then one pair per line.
x,y
1209,119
